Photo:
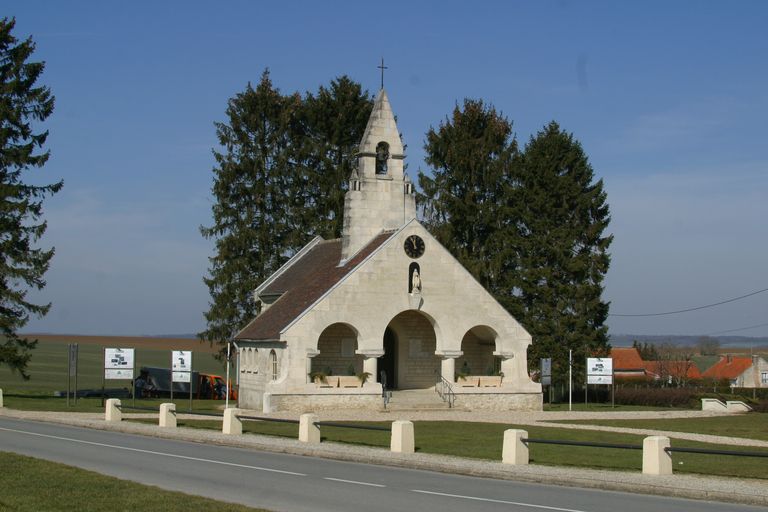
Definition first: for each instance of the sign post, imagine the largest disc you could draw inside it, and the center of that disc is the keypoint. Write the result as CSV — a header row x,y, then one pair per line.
x,y
546,375
118,365
181,370
72,349
599,370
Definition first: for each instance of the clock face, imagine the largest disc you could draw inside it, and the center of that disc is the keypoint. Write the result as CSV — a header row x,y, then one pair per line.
x,y
414,246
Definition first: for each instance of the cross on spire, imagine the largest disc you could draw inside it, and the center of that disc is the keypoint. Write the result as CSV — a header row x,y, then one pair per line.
x,y
382,67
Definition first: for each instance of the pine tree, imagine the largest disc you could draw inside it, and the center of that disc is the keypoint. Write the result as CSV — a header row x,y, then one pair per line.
x,y
23,266
279,182
466,202
250,227
563,253
333,123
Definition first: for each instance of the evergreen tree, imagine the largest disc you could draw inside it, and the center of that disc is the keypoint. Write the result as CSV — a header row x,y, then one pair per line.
x,y
326,144
251,230
466,202
279,182
23,266
563,253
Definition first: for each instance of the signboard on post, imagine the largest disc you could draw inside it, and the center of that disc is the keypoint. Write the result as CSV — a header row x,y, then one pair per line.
x,y
181,365
599,370
546,371
118,363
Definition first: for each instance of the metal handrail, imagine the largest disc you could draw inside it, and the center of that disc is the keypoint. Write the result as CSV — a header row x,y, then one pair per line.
x,y
444,390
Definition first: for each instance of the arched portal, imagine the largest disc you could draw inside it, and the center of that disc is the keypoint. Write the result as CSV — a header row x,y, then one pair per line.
x,y
337,345
411,354
478,345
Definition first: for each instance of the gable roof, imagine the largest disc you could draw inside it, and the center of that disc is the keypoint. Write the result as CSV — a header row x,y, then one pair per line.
x,y
307,279
729,367
627,360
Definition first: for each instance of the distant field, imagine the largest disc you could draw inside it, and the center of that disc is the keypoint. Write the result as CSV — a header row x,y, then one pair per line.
x,y
48,367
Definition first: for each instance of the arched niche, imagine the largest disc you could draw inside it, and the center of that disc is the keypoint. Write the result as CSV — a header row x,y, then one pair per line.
x,y
336,347
478,345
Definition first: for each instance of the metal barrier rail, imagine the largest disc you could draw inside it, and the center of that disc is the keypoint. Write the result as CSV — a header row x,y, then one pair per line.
x,y
347,425
716,452
261,418
138,408
583,443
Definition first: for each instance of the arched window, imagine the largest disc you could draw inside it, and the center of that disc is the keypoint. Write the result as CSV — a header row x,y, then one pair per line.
x,y
382,155
273,364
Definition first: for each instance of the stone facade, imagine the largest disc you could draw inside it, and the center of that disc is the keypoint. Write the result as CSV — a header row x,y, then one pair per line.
x,y
392,300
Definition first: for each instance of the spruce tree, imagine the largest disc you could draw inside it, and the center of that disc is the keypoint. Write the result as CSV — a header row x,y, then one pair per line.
x,y
250,227
563,251
465,203
22,105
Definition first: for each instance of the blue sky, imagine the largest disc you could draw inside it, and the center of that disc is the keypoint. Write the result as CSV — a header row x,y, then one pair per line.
x,y
669,100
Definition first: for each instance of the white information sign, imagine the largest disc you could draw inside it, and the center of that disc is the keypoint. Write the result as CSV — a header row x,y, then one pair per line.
x,y
181,365
118,363
599,370
181,361
181,376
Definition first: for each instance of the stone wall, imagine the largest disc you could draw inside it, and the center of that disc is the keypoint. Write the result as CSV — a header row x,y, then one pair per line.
x,y
301,403
500,401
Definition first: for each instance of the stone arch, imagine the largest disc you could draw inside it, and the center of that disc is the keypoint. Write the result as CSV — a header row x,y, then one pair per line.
x,y
337,346
416,362
382,158
478,346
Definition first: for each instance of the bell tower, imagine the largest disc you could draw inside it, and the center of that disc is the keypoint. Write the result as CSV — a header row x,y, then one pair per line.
x,y
380,195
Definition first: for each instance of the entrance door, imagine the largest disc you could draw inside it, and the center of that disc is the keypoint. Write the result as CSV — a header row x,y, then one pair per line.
x,y
388,362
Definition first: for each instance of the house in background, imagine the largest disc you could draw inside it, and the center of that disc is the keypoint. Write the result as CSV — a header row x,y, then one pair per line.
x,y
678,371
741,372
627,364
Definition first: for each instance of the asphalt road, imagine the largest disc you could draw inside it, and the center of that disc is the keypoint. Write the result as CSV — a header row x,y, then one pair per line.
x,y
293,483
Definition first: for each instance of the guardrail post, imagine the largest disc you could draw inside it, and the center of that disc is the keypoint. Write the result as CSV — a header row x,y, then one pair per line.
x,y
232,424
112,410
1,398
168,415
656,461
402,437
515,451
308,431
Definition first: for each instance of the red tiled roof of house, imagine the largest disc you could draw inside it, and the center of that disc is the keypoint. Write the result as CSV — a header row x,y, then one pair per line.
x,y
302,284
674,368
626,359
728,367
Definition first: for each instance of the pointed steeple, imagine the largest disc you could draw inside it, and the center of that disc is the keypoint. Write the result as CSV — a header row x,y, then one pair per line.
x,y
380,196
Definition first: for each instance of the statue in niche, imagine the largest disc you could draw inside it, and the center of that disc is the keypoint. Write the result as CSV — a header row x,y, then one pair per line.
x,y
415,281
382,155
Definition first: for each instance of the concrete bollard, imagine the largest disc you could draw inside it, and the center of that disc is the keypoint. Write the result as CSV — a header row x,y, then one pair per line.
x,y
308,431
232,424
112,410
1,398
656,461
515,451
402,437
168,415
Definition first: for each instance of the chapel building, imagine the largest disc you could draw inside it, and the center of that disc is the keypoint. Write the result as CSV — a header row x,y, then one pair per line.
x,y
385,307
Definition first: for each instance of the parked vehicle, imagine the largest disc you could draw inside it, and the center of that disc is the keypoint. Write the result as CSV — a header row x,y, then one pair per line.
x,y
156,383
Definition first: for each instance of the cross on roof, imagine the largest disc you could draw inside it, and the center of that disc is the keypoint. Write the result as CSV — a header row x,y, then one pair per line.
x,y
382,67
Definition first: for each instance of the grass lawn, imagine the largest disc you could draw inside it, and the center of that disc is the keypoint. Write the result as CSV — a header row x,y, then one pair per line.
x,y
48,368
750,426
67,488
484,441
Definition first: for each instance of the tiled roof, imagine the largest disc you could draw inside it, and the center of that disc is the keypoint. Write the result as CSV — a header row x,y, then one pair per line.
x,y
626,359
674,368
302,284
728,367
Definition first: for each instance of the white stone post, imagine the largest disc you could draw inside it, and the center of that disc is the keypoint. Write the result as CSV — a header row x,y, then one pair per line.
x,y
402,437
448,369
515,451
308,431
232,424
1,398
112,410
656,461
168,415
